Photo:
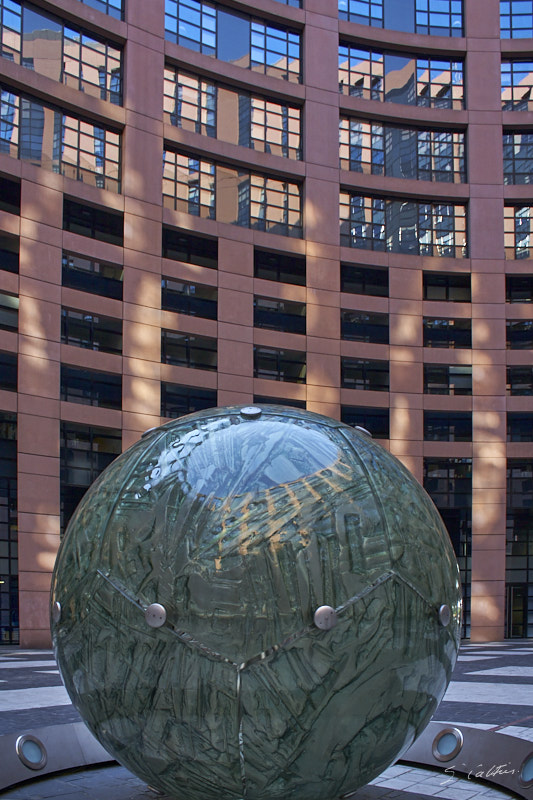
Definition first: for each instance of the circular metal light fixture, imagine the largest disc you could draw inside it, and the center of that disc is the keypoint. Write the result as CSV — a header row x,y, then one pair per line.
x,y
56,611
155,615
447,744
251,412
31,751
525,774
325,618
445,615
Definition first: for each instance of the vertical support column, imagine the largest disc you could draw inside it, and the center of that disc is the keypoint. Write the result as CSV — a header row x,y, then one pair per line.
x,y
143,143
321,219
38,403
485,165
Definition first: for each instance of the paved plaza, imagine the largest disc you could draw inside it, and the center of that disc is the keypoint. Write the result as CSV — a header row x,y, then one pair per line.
x,y
492,688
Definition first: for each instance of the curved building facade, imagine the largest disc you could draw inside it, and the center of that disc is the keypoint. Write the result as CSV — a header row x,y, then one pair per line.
x,y
324,203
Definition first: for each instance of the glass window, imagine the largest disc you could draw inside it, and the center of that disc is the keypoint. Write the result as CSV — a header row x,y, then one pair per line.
x,y
281,267
81,385
393,77
240,39
364,326
358,373
519,334
434,17
372,281
85,451
278,401
49,46
280,365
517,85
402,226
450,333
520,381
180,246
9,196
447,426
91,276
114,8
9,252
8,372
376,149
190,102
519,288
374,420
186,350
451,286
519,426
517,225
193,299
94,222
91,331
516,19
517,157
9,312
279,315
232,195
177,400
72,147
444,379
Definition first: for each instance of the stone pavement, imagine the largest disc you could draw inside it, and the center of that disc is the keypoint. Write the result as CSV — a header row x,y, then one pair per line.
x,y
492,688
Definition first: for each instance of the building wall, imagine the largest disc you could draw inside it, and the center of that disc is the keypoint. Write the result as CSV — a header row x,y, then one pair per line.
x,y
144,134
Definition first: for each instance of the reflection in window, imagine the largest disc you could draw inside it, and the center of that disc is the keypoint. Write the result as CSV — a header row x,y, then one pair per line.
x,y
517,229
519,334
517,157
364,326
280,365
9,253
95,277
402,226
374,420
76,149
91,331
177,400
198,186
279,315
80,385
449,333
186,350
365,374
516,19
434,17
85,451
397,78
444,379
452,286
237,38
195,104
447,426
519,288
9,312
517,85
377,149
189,298
46,44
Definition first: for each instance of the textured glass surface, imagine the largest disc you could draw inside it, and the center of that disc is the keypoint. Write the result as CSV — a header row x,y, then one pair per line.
x,y
241,528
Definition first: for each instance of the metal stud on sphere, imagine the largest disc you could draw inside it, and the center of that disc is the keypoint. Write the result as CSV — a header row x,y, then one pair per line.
x,y
256,603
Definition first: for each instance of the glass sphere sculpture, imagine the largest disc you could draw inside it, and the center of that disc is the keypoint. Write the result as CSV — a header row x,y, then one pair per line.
x,y
256,603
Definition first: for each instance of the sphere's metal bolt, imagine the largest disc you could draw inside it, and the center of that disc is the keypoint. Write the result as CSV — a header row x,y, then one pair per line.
x,y
251,412
56,611
325,618
445,615
155,615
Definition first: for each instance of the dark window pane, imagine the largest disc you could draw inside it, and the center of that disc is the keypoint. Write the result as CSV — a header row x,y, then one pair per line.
x,y
261,399
8,371
520,381
282,267
447,426
92,331
519,426
363,374
177,400
362,326
189,298
280,365
447,286
365,280
450,333
91,276
279,315
9,312
519,334
9,195
186,350
181,246
519,288
96,223
444,379
374,420
91,388
9,253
